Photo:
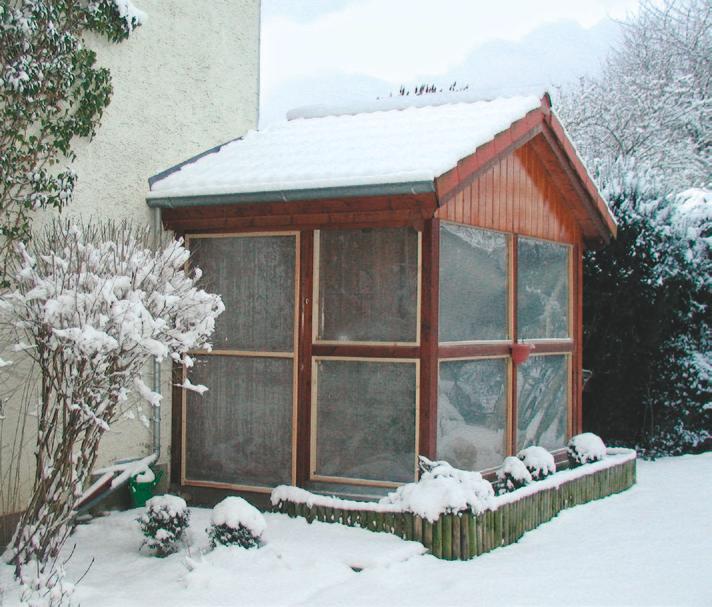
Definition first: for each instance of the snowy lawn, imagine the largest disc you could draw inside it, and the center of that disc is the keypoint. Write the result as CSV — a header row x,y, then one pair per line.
x,y
648,546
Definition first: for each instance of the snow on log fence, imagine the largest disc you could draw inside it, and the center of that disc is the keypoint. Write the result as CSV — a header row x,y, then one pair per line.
x,y
465,535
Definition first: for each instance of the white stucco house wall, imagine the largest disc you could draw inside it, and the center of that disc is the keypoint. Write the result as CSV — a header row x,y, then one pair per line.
x,y
186,80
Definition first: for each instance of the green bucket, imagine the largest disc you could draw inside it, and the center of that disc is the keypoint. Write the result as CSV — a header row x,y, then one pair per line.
x,y
142,492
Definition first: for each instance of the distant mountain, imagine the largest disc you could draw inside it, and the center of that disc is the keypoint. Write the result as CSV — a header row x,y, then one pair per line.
x,y
554,54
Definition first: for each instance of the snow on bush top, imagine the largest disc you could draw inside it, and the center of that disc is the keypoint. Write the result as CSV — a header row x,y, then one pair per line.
x,y
586,447
171,504
372,147
515,469
101,301
538,461
234,512
443,489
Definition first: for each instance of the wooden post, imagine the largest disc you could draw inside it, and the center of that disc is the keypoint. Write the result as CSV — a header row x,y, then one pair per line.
x,y
465,531
446,534
437,535
480,533
472,535
418,529
428,536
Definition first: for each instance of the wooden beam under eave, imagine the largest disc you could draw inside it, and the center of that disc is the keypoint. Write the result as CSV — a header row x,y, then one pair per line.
x,y
381,211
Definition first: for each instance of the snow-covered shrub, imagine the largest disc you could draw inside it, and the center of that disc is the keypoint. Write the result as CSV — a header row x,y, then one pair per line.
x,y
539,462
91,307
235,522
163,523
442,489
513,474
585,448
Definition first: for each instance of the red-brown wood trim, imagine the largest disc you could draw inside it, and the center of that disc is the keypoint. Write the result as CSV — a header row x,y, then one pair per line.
x,y
365,350
376,219
430,294
564,346
580,170
452,350
309,214
578,336
598,215
488,154
515,328
306,281
176,424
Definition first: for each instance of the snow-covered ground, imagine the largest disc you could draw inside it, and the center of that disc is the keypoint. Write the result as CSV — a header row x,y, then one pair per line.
x,y
651,545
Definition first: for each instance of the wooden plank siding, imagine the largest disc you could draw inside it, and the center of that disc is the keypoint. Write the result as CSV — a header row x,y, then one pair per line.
x,y
515,195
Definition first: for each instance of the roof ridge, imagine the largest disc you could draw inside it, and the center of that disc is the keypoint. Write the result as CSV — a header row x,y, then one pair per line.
x,y
403,102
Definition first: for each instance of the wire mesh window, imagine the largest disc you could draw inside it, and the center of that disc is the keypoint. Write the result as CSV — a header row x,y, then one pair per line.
x,y
368,285
255,277
473,284
240,431
542,401
365,420
542,289
472,412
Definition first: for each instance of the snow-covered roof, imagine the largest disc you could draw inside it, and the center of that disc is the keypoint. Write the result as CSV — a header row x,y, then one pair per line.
x,y
388,142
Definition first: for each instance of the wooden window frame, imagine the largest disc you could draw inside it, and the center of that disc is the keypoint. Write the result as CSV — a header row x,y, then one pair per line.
x,y
351,343
569,359
188,482
511,401
484,345
475,350
564,342
313,475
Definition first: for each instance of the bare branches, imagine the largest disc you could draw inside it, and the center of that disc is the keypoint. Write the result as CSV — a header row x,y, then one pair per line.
x,y
653,101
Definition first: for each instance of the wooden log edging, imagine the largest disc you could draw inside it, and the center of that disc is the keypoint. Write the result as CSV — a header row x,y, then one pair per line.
x,y
465,535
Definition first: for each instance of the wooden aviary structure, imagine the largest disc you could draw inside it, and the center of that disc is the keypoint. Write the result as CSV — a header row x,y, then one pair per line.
x,y
397,280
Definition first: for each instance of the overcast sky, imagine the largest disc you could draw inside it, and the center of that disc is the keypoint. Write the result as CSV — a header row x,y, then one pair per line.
x,y
373,44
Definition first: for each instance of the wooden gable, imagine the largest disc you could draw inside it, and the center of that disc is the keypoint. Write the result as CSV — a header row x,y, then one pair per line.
x,y
517,194
529,180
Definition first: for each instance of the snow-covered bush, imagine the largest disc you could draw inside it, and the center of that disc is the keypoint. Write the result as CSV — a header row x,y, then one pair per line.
x,y
163,524
91,306
585,448
513,474
234,522
539,462
442,489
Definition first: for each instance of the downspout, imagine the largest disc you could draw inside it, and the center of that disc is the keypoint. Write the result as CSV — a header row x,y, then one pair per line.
x,y
156,217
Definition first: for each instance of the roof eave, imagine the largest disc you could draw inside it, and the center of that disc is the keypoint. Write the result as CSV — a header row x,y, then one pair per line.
x,y
382,189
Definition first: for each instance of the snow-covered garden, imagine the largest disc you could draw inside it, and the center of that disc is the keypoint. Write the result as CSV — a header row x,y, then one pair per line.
x,y
646,546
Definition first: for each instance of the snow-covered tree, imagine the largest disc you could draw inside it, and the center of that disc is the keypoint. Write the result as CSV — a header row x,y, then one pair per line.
x,y
51,91
644,127
91,306
652,103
